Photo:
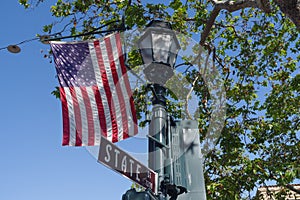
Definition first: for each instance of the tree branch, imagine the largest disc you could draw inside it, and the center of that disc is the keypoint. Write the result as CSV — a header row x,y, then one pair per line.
x,y
209,25
232,6
291,9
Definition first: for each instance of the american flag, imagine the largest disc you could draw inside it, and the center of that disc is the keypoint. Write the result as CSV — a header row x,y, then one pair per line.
x,y
95,92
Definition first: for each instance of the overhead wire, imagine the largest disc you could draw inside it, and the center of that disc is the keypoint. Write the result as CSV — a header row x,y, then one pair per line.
x,y
25,41
48,37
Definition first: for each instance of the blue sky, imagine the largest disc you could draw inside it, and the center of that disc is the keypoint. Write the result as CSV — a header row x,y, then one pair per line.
x,y
34,165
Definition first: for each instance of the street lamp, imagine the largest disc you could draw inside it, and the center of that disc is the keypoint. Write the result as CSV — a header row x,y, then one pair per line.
x,y
14,49
158,47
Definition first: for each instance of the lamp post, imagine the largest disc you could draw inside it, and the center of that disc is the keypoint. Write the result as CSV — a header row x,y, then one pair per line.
x,y
158,47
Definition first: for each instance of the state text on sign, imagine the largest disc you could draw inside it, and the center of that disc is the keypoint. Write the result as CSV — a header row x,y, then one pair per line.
x,y
115,158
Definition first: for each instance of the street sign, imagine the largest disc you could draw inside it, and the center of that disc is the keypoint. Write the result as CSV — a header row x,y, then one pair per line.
x,y
116,159
187,160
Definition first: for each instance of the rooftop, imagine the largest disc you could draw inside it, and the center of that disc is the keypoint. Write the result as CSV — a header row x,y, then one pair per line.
x,y
270,192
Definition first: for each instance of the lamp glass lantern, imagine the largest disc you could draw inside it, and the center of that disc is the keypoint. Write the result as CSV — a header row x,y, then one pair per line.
x,y
158,47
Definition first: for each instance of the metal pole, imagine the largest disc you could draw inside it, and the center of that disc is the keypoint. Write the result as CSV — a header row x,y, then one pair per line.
x,y
157,135
169,159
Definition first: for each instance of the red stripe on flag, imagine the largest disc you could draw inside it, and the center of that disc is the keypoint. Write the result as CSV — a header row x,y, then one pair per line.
x,y
89,116
127,85
107,90
100,108
65,116
77,116
123,113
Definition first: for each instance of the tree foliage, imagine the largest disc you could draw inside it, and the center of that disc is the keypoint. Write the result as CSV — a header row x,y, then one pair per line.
x,y
255,46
